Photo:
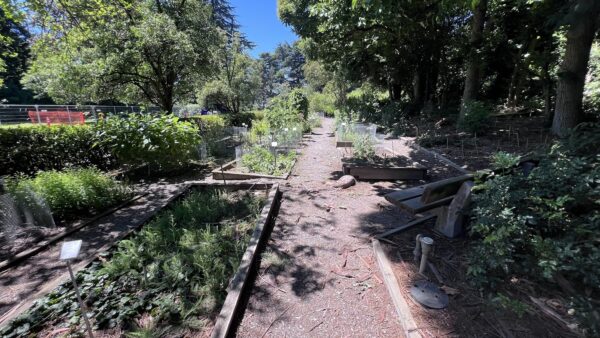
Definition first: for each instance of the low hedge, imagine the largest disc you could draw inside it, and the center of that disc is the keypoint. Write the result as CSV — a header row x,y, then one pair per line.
x,y
38,148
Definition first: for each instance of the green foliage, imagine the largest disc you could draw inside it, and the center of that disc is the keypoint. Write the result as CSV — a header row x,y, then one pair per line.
x,y
362,148
143,51
70,192
591,94
280,114
541,225
513,305
504,160
476,117
263,161
34,148
175,270
237,85
212,129
163,142
259,131
298,103
321,103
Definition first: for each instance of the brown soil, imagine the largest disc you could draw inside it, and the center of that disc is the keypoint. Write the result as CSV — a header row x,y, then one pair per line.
x,y
319,277
514,135
468,314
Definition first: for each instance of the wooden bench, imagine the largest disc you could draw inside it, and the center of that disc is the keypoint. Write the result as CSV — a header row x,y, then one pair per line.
x,y
429,196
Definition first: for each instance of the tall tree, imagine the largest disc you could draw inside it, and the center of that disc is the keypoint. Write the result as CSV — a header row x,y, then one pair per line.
x,y
583,23
237,86
138,51
474,62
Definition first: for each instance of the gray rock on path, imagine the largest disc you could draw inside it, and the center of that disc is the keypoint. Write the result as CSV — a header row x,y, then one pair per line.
x,y
345,181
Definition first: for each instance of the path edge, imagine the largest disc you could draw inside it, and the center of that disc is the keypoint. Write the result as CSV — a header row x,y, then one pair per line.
x,y
225,323
402,309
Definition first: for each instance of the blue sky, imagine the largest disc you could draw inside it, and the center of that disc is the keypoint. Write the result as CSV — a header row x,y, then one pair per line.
x,y
261,25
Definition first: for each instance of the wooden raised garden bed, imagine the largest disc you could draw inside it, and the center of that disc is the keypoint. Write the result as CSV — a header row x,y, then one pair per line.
x,y
232,171
382,169
218,320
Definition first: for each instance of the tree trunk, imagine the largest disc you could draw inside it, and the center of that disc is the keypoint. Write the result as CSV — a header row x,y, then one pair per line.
x,y
474,64
571,77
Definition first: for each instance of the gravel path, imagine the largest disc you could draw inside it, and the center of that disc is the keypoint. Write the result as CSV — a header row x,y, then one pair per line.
x,y
39,274
318,276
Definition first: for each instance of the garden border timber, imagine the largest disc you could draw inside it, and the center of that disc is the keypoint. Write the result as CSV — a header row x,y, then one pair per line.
x,y
64,277
39,246
225,173
231,308
435,155
381,172
405,317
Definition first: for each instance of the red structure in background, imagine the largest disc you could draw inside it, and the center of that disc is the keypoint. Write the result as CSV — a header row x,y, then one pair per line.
x,y
56,117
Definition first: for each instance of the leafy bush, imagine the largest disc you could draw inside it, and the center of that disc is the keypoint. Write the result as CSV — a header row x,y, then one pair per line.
x,y
262,160
34,148
504,160
212,129
321,103
259,131
543,225
476,118
163,142
176,270
70,192
362,148
288,109
298,103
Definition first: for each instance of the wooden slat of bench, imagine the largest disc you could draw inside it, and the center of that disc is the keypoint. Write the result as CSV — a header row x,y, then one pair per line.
x,y
442,189
416,205
403,195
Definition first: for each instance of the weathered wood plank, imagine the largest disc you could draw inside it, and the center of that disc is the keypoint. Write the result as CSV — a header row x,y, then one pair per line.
x,y
224,326
384,173
405,226
444,188
405,194
416,205
402,309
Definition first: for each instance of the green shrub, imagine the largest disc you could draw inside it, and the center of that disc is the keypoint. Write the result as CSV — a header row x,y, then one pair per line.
x,y
34,148
542,225
163,142
298,103
70,192
262,160
476,117
321,103
363,148
259,131
503,160
287,110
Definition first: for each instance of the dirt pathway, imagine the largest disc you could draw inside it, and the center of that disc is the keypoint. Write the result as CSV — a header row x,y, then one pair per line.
x,y
41,273
318,276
